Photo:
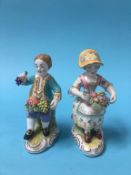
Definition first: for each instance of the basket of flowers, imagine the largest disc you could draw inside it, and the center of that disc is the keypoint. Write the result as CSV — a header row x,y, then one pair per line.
x,y
99,101
35,104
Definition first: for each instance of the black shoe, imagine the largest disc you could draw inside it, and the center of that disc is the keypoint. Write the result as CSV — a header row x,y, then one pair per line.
x,y
93,132
87,137
99,134
29,134
46,132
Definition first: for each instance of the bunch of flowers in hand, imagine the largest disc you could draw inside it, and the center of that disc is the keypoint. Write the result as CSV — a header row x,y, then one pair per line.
x,y
19,81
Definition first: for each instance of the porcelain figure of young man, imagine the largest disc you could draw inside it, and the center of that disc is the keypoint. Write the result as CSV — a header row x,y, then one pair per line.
x,y
44,95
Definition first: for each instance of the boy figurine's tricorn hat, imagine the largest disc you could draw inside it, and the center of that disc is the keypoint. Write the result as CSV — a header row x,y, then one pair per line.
x,y
88,56
46,58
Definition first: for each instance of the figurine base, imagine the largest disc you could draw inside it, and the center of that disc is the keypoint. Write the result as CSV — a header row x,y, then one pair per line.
x,y
92,149
39,142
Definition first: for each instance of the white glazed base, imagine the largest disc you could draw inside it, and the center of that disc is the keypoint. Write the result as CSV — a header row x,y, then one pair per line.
x,y
39,142
92,149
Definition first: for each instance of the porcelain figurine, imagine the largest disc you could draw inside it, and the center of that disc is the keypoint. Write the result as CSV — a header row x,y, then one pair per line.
x,y
89,105
44,95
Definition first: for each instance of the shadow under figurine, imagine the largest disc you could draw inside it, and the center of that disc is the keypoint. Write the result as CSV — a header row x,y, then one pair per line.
x,y
44,95
90,106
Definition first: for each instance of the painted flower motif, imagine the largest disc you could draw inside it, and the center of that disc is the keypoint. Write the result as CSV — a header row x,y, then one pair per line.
x,y
82,59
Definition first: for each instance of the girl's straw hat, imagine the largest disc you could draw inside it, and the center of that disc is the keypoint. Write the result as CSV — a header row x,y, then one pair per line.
x,y
88,56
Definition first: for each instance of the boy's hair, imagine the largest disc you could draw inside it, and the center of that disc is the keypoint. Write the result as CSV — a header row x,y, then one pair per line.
x,y
46,58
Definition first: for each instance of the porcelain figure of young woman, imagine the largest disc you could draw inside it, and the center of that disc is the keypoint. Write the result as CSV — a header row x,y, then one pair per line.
x,y
89,105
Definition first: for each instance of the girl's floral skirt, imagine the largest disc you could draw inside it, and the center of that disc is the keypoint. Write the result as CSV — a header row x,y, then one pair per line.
x,y
90,114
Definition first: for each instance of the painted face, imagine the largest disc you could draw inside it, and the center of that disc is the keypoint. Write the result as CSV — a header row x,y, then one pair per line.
x,y
92,68
41,67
